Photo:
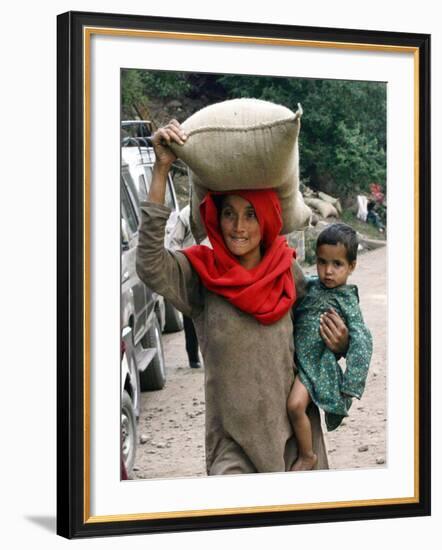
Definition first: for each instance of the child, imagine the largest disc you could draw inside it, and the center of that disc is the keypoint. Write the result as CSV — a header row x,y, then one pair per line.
x,y
320,378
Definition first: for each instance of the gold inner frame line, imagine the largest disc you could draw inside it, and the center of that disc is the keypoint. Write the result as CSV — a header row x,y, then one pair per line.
x,y
87,34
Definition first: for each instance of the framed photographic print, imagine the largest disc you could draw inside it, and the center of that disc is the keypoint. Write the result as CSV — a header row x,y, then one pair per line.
x,y
174,393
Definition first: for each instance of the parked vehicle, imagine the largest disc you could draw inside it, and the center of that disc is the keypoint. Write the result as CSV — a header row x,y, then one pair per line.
x,y
135,129
130,401
140,157
142,310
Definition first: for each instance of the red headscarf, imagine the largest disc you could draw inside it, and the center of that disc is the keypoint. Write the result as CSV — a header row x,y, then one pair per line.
x,y
267,291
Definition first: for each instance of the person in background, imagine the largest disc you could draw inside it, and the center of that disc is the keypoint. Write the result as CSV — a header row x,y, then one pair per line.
x,y
373,216
181,237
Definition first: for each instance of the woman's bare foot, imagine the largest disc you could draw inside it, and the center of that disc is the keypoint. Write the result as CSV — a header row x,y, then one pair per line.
x,y
306,462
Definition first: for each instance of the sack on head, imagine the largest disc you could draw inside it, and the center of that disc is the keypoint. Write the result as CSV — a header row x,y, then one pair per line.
x,y
244,144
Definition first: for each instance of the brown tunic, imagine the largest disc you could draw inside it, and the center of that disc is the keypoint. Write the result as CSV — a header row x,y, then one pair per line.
x,y
248,366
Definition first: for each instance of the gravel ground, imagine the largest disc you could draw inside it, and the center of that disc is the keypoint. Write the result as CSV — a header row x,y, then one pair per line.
x,y
171,425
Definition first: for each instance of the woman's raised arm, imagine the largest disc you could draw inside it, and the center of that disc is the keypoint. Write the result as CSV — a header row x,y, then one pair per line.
x,y
165,272
164,158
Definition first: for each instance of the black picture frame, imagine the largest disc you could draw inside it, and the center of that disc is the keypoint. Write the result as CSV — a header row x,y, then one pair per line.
x,y
73,520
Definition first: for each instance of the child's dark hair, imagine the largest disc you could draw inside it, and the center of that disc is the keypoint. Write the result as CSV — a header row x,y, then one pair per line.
x,y
340,233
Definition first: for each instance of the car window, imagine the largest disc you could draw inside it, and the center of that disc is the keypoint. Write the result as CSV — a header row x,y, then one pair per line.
x,y
128,211
168,199
169,196
142,188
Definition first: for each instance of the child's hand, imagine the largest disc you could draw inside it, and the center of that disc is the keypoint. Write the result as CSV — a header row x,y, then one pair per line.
x,y
334,332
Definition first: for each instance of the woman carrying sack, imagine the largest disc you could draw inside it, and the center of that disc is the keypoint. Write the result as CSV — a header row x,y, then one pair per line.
x,y
239,294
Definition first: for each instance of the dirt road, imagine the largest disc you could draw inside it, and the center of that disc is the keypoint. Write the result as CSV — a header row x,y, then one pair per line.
x,y
171,426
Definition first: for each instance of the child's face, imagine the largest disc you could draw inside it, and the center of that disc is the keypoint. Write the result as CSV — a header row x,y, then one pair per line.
x,y
332,265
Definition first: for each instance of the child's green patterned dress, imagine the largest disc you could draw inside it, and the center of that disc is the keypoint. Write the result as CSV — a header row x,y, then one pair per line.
x,y
317,365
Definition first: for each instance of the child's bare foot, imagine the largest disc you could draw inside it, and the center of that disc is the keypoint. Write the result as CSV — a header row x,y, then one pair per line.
x,y
306,462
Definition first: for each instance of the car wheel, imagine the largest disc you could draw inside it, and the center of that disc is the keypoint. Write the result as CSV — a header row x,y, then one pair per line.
x,y
128,432
154,376
174,319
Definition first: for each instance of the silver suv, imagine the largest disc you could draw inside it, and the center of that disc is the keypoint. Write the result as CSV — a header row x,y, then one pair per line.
x,y
142,314
137,152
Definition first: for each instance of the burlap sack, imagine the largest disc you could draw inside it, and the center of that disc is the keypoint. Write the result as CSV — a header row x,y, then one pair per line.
x,y
332,200
324,208
244,144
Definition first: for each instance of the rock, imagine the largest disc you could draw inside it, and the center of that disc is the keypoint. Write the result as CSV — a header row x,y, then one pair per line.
x,y
363,448
380,460
160,446
174,104
143,439
314,219
135,469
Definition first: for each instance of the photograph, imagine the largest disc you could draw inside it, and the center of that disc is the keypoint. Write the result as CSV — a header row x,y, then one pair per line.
x,y
321,145
243,275
227,229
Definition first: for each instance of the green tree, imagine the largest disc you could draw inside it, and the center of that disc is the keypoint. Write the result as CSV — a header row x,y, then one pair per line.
x,y
132,91
138,87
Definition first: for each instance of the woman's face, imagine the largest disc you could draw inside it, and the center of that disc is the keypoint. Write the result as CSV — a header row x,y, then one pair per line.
x,y
240,230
